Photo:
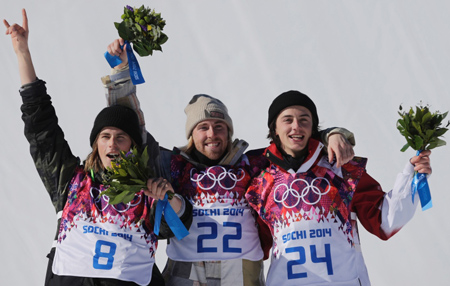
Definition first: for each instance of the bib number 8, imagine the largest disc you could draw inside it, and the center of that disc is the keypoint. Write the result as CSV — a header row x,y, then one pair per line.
x,y
100,256
213,235
302,260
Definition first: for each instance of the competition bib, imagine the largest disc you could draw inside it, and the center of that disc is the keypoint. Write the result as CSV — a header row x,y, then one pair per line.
x,y
97,239
315,236
223,225
100,250
313,254
218,233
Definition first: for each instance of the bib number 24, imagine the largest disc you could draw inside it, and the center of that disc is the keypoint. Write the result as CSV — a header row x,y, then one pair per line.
x,y
302,260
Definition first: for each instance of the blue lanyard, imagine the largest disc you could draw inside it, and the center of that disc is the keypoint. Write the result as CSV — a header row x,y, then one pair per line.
x,y
172,219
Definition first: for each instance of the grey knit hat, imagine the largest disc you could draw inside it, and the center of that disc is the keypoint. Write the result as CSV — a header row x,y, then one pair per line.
x,y
120,117
203,107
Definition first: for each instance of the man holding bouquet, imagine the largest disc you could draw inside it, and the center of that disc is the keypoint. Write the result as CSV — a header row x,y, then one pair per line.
x,y
97,243
312,206
227,243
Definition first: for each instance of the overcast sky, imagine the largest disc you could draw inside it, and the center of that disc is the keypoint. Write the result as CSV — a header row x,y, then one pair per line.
x,y
358,60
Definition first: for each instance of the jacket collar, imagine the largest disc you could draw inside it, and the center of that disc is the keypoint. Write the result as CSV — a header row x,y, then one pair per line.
x,y
314,150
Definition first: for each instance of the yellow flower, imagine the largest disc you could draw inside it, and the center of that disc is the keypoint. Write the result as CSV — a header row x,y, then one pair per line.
x,y
149,27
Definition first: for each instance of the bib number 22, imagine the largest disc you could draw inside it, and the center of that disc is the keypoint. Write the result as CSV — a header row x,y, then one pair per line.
x,y
213,235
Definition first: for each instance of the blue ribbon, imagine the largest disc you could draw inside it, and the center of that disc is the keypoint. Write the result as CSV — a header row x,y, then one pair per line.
x,y
135,70
420,185
112,60
172,219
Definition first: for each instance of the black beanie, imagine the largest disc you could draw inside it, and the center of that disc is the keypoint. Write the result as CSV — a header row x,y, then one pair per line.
x,y
120,117
290,98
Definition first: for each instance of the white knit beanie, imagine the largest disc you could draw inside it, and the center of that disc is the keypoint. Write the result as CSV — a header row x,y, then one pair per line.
x,y
203,107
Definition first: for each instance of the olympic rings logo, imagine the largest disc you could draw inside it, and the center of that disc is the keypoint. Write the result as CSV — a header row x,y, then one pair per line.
x,y
224,174
98,198
290,191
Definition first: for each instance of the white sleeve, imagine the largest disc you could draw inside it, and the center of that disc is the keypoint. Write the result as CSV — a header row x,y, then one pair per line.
x,y
397,208
119,90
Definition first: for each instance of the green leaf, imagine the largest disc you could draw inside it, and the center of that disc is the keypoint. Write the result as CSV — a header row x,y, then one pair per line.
x,y
416,126
118,199
429,134
124,32
431,146
419,114
163,38
440,131
139,182
132,172
418,142
411,142
407,120
122,172
426,117
140,50
138,27
136,188
440,143
128,197
144,157
404,147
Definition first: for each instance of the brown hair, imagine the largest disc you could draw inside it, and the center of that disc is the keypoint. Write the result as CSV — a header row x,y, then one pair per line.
x,y
93,161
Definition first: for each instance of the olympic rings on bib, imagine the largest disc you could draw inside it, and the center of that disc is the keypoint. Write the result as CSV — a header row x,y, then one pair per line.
x,y
223,178
291,192
98,198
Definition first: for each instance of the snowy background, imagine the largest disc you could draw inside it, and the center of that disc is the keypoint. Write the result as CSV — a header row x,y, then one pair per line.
x,y
358,60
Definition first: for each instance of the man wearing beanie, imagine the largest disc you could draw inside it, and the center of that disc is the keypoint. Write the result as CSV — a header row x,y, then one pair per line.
x,y
312,206
226,244
96,243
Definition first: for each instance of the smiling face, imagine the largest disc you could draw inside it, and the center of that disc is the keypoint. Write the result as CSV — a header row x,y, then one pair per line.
x,y
211,138
110,142
294,128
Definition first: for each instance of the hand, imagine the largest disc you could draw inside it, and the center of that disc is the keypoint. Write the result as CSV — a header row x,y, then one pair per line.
x,y
157,189
422,162
115,49
19,34
339,147
19,38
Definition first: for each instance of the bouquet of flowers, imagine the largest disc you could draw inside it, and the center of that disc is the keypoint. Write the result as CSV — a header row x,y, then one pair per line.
x,y
143,28
422,130
128,175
